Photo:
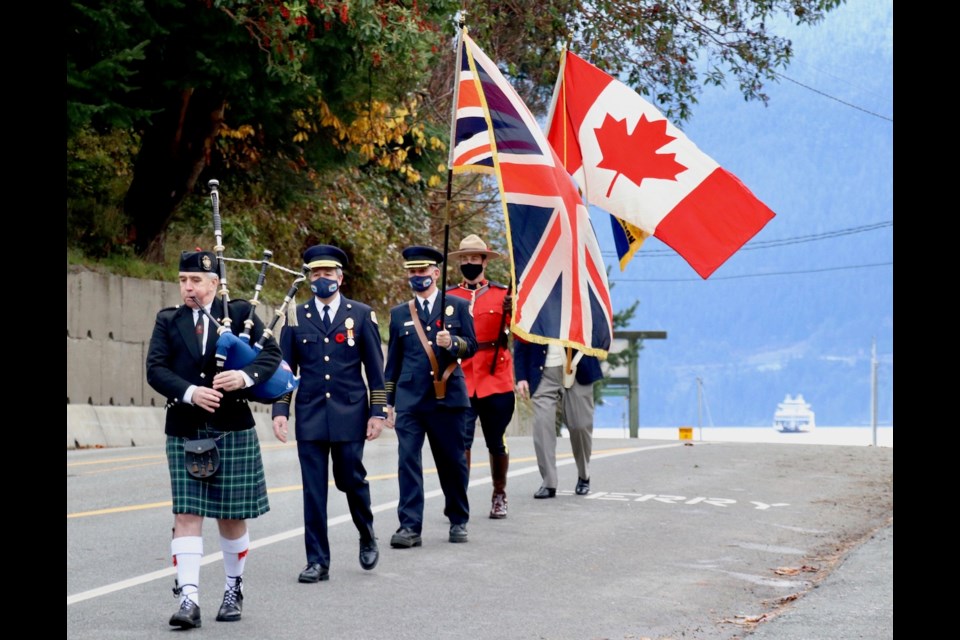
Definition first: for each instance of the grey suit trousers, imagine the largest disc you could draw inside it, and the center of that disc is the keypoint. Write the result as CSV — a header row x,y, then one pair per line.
x,y
577,416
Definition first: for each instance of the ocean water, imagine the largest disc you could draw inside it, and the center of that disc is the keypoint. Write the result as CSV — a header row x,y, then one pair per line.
x,y
848,436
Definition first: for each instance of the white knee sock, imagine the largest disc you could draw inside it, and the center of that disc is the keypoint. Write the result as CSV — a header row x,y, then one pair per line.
x,y
234,557
187,551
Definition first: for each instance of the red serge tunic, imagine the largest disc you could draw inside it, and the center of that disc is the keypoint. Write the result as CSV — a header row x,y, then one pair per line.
x,y
486,305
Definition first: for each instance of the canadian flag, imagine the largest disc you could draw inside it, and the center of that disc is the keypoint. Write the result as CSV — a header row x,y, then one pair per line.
x,y
631,162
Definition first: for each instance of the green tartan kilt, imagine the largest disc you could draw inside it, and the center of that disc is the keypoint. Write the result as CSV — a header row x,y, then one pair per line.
x,y
237,491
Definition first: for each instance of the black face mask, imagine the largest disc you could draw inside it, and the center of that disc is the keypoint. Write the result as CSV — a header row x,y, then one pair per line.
x,y
471,270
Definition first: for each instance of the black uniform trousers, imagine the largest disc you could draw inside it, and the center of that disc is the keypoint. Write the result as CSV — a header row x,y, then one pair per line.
x,y
443,428
495,413
349,475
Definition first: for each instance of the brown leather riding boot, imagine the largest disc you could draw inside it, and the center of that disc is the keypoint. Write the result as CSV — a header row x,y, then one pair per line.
x,y
498,469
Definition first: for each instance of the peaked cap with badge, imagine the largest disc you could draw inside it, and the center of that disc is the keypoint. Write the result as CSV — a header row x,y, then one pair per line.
x,y
417,256
324,255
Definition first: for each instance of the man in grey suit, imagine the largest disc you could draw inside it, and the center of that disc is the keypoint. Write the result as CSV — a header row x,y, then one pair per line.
x,y
548,375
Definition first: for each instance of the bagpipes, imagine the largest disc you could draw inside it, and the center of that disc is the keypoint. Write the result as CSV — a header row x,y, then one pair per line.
x,y
235,351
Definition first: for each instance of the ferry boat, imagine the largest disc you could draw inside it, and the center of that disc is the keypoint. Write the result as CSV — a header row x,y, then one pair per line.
x,y
793,415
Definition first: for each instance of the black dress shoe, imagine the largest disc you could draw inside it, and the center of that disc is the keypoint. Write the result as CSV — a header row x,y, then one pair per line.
x,y
583,486
232,604
188,616
545,492
405,538
458,532
315,572
369,554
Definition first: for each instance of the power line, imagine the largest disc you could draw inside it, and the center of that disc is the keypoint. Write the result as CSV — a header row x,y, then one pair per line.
x,y
766,244
845,79
754,275
770,244
827,95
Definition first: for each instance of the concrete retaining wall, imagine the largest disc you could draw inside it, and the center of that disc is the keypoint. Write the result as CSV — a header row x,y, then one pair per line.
x,y
109,323
97,426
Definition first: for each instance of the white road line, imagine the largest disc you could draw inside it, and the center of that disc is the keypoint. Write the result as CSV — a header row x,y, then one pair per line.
x,y
296,533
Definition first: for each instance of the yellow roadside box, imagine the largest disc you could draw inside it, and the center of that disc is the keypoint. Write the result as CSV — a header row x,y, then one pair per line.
x,y
686,433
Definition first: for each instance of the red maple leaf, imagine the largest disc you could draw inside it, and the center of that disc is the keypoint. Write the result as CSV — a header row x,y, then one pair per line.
x,y
635,154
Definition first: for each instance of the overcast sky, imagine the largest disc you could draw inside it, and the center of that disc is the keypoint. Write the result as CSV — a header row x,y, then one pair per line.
x,y
797,309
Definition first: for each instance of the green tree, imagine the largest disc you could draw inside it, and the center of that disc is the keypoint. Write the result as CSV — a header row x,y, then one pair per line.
x,y
184,69
666,50
329,119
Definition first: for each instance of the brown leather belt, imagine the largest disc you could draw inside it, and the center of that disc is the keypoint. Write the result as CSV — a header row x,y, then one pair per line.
x,y
482,346
439,383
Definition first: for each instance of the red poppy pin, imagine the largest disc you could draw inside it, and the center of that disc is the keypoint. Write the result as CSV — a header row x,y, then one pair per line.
x,y
439,326
339,337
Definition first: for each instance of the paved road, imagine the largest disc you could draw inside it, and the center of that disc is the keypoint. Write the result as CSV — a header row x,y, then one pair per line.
x,y
706,540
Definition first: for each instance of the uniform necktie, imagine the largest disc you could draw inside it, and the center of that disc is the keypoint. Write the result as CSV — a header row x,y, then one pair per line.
x,y
326,316
199,331
426,309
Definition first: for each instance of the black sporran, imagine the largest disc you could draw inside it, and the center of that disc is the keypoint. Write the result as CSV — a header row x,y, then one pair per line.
x,y
202,457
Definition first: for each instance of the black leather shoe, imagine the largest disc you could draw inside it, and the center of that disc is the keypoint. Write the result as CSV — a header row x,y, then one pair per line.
x,y
369,554
315,572
188,616
458,532
405,538
583,486
232,604
545,492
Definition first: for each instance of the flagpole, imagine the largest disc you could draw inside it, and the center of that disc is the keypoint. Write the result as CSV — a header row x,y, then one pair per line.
x,y
461,24
559,100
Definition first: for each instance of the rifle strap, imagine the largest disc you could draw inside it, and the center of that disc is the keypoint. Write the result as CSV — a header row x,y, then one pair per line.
x,y
439,383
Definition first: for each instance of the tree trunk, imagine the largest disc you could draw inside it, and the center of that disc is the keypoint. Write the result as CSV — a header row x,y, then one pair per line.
x,y
174,151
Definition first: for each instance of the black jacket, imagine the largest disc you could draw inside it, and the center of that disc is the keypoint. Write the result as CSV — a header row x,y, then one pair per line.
x,y
174,363
408,375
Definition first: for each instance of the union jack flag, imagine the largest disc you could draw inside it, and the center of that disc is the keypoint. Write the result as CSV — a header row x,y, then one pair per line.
x,y
562,295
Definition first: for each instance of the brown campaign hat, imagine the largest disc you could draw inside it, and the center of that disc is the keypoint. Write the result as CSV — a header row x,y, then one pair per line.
x,y
472,245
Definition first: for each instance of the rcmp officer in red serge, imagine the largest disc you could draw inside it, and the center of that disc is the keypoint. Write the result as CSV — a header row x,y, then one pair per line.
x,y
333,342
489,373
202,403
423,342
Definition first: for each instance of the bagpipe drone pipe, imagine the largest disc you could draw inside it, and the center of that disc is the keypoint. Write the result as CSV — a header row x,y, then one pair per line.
x,y
235,351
